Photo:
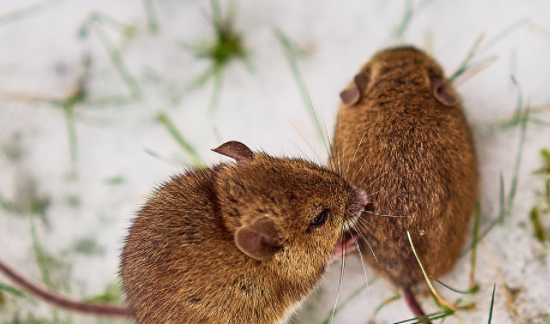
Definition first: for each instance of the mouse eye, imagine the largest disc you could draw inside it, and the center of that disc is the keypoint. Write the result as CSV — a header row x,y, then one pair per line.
x,y
319,220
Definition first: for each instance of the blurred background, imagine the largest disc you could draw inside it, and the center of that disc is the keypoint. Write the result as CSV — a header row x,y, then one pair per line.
x,y
101,101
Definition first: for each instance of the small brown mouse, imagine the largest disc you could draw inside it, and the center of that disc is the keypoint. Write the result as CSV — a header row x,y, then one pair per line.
x,y
401,128
241,242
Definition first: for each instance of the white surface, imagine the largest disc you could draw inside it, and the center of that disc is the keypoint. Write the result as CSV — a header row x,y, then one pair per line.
x,y
264,110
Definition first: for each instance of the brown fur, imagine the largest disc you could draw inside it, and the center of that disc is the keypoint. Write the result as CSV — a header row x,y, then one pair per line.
x,y
408,127
181,264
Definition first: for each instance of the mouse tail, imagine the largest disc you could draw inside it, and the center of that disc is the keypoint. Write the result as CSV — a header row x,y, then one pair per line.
x,y
63,302
414,306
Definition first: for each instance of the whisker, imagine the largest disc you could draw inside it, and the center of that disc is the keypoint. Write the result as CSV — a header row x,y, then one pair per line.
x,y
340,280
376,259
368,212
305,140
374,193
380,176
362,263
356,150
365,226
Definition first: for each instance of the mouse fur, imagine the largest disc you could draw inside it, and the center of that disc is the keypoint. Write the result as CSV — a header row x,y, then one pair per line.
x,y
401,127
234,243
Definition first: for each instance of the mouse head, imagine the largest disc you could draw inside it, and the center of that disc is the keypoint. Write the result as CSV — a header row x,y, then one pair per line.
x,y
288,210
397,70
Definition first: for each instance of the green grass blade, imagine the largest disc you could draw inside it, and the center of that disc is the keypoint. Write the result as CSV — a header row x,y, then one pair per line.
x,y
402,28
383,304
5,204
539,233
475,237
410,11
216,92
498,37
68,111
11,290
168,160
188,148
453,289
515,175
291,59
492,304
548,193
469,56
40,257
545,155
151,14
217,18
109,21
116,59
424,318
27,12
42,263
502,200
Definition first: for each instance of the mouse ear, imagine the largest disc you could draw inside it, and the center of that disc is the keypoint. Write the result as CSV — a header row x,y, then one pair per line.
x,y
352,95
259,240
235,150
442,91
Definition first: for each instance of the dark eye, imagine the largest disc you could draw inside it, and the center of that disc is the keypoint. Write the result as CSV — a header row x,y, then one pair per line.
x,y
319,220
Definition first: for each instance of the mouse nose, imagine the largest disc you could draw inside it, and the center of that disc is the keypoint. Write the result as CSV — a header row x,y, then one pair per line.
x,y
361,200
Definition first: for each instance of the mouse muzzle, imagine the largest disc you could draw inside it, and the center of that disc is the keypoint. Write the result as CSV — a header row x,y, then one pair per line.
x,y
346,243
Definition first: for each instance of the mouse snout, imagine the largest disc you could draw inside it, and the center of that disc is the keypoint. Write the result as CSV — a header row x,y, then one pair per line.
x,y
360,200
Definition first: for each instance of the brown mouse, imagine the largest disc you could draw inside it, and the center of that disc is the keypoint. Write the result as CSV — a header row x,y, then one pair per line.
x,y
241,242
401,127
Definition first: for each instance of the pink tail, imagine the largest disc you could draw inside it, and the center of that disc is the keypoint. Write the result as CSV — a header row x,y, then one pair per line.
x,y
414,306
62,302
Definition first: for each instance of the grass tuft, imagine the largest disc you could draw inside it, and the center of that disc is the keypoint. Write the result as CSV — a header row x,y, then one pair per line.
x,y
228,45
68,105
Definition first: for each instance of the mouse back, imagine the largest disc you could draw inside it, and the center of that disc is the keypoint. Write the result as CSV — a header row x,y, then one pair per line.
x,y
402,131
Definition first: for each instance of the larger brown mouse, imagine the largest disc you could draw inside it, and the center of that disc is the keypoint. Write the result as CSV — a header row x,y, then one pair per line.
x,y
401,127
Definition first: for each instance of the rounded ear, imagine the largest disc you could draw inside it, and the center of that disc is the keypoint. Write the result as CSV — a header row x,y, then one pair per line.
x,y
235,150
259,240
442,91
352,95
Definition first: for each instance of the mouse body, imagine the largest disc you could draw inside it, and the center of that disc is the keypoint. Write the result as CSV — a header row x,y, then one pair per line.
x,y
401,130
242,242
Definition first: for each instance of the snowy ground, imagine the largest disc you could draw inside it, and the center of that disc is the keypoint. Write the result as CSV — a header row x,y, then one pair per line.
x,y
82,209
